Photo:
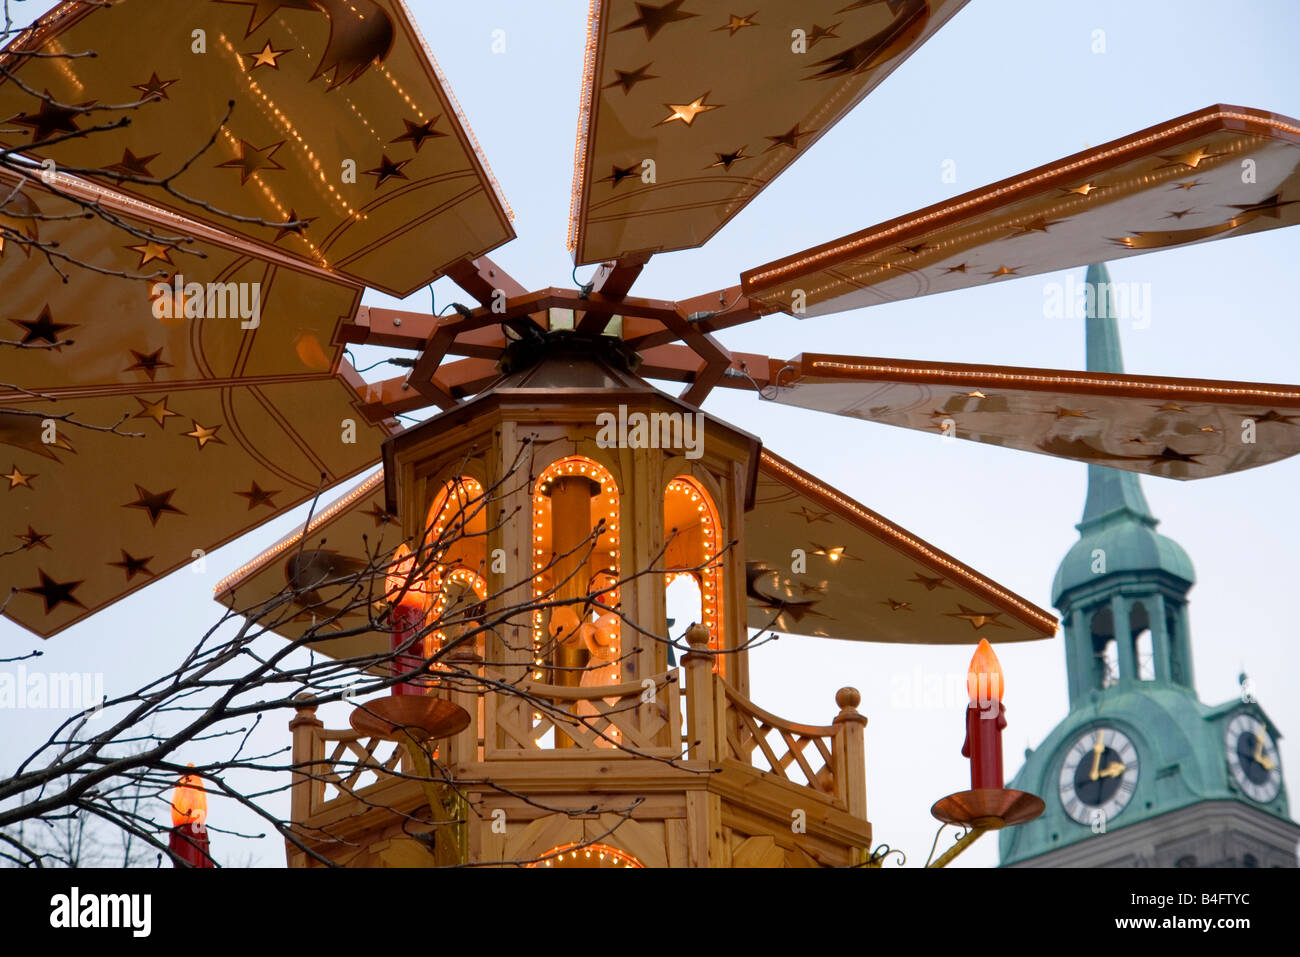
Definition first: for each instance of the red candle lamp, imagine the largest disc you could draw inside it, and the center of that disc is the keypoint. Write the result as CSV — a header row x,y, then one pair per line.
x,y
987,805
410,603
189,834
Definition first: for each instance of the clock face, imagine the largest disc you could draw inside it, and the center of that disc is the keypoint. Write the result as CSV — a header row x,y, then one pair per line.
x,y
1252,758
1099,775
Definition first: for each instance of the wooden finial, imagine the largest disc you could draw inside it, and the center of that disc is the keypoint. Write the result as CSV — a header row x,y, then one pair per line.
x,y
848,698
697,636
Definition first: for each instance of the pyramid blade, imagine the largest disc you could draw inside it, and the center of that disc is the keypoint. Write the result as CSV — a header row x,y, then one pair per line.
x,y
1223,171
1174,428
866,578
340,118
690,109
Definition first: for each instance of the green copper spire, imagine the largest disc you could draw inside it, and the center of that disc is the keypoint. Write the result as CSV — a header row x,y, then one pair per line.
x,y
1110,491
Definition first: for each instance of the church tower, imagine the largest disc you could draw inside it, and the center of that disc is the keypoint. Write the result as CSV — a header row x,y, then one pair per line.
x,y
1140,772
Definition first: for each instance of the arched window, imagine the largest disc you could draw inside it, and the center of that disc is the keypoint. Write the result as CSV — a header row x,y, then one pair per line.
x,y
692,535
575,539
455,543
589,855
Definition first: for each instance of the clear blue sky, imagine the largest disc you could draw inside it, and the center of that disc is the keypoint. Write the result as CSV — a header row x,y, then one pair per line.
x,y
1006,86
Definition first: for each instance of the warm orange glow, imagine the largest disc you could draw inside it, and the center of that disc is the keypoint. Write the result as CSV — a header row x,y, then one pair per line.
x,y
985,674
189,803
590,855
402,589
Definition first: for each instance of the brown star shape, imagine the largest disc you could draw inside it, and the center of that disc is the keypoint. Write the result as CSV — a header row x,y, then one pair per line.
x,y
33,539
54,593
267,56
630,78
386,170
257,495
930,583
153,88
133,566
299,230
380,516
653,19
819,34
898,605
252,160
16,478
727,160
148,364
132,165
977,619
43,329
417,133
157,411
735,23
203,435
155,503
1273,416
620,173
789,138
50,118
687,112
811,515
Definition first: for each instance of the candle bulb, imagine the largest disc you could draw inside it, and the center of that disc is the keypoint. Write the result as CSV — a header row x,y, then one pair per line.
x,y
189,834
409,605
985,718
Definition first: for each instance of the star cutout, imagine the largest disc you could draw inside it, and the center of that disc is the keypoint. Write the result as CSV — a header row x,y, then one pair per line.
x,y
630,78
380,516
133,566
1172,455
32,539
1191,160
1268,207
822,33
1178,213
50,118
898,605
960,267
153,88
203,435
810,515
157,411
930,583
1083,190
1005,271
155,503
417,133
17,478
832,554
977,619
620,173
977,394
1063,413
300,230
917,249
737,23
687,112
54,593
1039,225
43,329
654,19
149,252
1169,407
1272,416
257,495
1189,184
789,138
726,160
267,56
148,364
387,170
251,159
132,165
818,589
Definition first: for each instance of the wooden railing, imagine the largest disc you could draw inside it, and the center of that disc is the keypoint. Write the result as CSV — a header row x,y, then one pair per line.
x,y
533,719
725,725
335,765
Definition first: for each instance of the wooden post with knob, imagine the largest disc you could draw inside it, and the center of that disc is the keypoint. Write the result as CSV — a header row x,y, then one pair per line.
x,y
701,725
306,791
849,753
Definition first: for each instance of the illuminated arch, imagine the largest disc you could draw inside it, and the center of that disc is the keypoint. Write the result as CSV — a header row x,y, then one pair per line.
x,y
456,565
604,571
590,855
695,548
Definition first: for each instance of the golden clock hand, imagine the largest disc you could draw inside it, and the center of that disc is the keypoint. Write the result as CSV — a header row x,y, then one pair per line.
x,y
1097,749
1113,770
1259,757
